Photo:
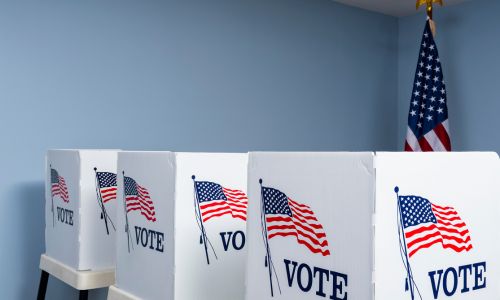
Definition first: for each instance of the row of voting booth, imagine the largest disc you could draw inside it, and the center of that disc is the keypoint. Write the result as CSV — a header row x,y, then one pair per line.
x,y
271,225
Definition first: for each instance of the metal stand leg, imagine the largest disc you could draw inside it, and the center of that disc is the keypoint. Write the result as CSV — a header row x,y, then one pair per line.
x,y
84,295
42,288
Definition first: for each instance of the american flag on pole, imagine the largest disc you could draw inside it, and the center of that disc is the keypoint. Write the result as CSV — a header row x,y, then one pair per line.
x,y
107,185
286,217
426,224
137,198
58,187
428,117
216,200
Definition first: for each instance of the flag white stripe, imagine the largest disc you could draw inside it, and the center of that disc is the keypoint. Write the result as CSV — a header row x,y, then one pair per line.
x,y
434,141
411,139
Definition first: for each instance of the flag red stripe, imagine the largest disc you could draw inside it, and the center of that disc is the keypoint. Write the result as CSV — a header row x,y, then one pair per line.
x,y
446,218
445,246
431,227
302,242
138,203
149,217
424,145
138,207
438,234
459,225
285,219
442,207
302,210
138,199
209,204
109,189
297,204
108,195
225,213
443,136
297,232
237,204
206,212
318,235
221,213
292,224
407,147
446,213
304,218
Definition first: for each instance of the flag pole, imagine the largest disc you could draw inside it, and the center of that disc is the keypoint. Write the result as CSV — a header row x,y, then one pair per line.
x,y
400,225
268,251
197,206
104,214
52,198
126,215
429,10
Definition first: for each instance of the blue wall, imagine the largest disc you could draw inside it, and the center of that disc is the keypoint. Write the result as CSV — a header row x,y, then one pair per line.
x,y
195,75
468,39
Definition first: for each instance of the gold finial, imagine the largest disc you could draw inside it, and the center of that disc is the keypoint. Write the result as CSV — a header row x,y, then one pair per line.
x,y
428,4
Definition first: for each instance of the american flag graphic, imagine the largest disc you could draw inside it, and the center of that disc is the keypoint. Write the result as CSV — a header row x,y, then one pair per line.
x,y
107,185
426,224
216,200
59,187
286,217
428,116
137,198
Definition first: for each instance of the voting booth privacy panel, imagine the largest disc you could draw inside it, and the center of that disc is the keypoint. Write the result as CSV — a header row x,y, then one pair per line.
x,y
436,233
181,225
80,215
310,233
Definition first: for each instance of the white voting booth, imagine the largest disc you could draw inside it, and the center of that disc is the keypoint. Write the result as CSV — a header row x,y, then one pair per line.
x,y
80,218
181,226
80,208
318,225
310,233
428,232
437,237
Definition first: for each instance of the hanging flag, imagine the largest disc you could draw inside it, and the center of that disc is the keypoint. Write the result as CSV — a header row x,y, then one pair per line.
x,y
216,200
107,185
428,116
286,217
425,224
137,198
58,187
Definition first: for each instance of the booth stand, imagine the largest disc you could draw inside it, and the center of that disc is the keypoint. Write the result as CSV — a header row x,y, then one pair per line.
x,y
115,293
80,280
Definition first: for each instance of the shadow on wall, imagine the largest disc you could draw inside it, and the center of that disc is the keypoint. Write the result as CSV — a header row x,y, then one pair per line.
x,y
27,240
29,243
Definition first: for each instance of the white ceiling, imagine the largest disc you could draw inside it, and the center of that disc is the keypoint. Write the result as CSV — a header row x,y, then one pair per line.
x,y
396,8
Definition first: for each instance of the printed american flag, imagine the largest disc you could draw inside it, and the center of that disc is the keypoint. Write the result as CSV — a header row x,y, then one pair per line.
x,y
58,187
107,185
286,217
428,116
426,224
216,200
137,198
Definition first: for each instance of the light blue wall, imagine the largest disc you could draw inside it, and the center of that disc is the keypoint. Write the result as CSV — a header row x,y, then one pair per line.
x,y
468,39
197,75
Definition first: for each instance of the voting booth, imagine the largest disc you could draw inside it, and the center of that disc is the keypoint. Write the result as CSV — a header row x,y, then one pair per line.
x,y
80,208
310,233
181,226
436,235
